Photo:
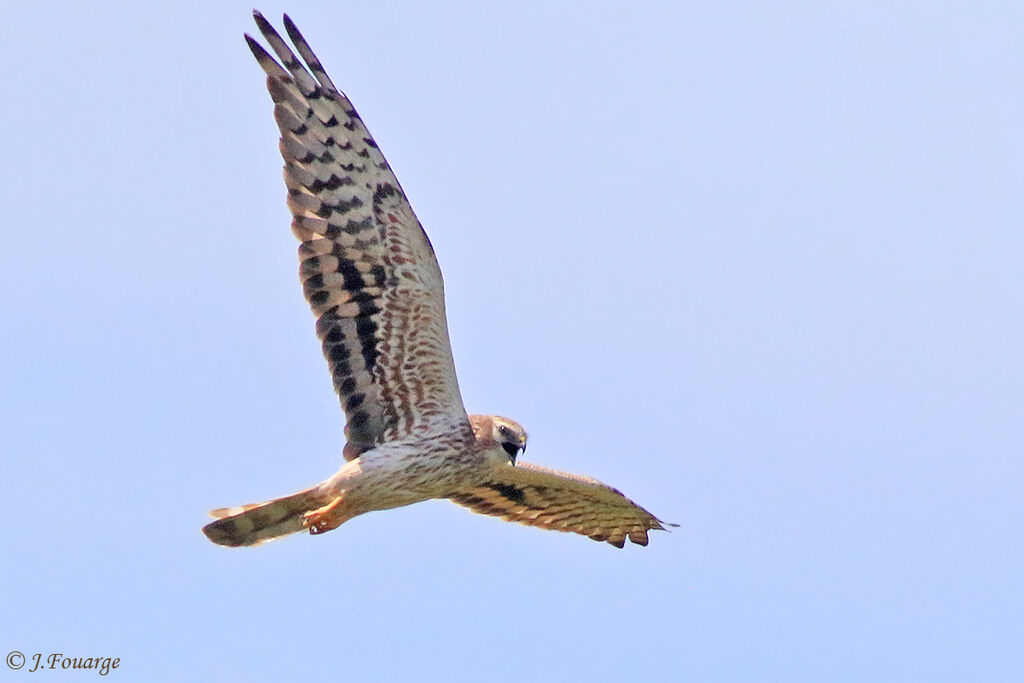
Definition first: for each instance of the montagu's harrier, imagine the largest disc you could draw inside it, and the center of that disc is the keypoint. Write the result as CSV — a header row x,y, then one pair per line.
x,y
371,278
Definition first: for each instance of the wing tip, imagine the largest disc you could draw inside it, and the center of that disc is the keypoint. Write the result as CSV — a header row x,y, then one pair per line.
x,y
290,27
261,21
257,50
252,42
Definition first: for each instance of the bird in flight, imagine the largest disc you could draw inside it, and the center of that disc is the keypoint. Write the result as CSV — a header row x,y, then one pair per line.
x,y
370,275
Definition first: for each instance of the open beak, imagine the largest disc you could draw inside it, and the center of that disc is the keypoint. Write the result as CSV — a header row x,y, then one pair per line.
x,y
514,450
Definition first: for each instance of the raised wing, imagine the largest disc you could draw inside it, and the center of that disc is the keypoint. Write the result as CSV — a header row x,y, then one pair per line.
x,y
367,268
537,496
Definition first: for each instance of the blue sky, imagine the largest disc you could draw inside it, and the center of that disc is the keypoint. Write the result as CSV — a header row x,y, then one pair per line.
x,y
760,267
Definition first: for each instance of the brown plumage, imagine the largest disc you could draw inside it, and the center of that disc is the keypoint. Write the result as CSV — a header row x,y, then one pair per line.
x,y
371,278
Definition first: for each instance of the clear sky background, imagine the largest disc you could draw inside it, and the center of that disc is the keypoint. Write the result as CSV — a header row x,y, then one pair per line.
x,y
759,266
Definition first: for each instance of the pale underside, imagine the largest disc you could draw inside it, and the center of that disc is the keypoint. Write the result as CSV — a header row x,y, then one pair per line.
x,y
371,279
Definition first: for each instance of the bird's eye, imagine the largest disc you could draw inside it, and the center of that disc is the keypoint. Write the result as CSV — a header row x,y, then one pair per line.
x,y
504,431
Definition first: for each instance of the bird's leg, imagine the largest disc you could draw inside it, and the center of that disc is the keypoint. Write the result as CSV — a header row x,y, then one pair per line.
x,y
325,518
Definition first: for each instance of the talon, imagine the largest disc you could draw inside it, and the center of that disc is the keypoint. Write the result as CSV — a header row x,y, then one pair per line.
x,y
319,521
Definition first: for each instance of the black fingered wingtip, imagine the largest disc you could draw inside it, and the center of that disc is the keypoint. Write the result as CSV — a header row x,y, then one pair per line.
x,y
292,29
261,21
256,48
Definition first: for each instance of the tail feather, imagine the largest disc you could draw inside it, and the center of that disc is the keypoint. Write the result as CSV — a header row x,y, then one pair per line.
x,y
259,522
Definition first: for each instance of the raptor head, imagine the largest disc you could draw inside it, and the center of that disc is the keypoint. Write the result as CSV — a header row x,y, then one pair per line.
x,y
504,432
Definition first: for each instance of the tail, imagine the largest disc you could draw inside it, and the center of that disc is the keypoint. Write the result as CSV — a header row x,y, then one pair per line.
x,y
259,522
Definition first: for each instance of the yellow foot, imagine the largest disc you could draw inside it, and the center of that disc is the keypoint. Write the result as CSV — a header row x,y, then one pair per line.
x,y
321,520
